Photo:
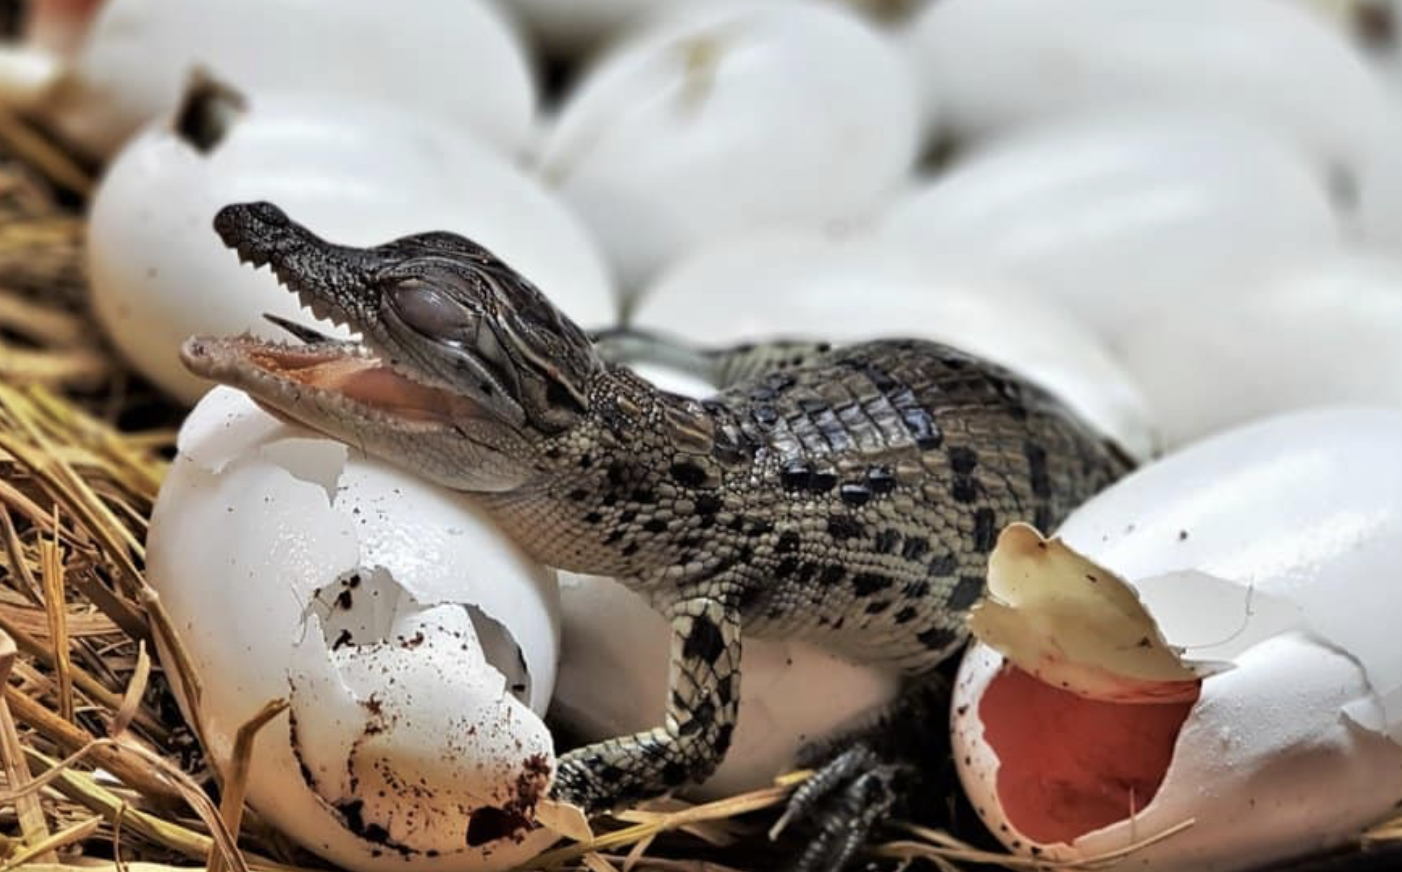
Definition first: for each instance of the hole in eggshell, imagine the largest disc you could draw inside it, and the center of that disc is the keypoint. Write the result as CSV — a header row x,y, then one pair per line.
x,y
1068,765
361,606
207,111
502,652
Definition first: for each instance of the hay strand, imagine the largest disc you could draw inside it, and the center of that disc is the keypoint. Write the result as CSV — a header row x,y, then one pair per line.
x,y
56,605
30,811
236,774
45,849
29,145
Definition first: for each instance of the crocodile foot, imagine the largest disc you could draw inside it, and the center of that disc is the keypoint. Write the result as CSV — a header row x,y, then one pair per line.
x,y
842,803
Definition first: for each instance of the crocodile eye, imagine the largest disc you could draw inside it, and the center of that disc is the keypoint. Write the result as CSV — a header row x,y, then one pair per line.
x,y
429,311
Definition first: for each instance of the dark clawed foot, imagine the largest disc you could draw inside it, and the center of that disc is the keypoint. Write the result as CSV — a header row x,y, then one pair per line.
x,y
841,803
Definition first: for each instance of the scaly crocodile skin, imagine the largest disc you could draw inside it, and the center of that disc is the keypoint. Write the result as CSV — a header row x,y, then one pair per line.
x,y
849,496
851,500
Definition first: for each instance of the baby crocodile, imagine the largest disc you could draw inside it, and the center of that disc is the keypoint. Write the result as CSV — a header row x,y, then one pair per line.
x,y
849,496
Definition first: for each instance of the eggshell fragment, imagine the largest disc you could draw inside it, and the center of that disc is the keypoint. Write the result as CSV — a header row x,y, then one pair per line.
x,y
803,283
1270,547
725,118
137,56
985,66
1073,625
411,641
613,681
355,173
1322,333
1122,219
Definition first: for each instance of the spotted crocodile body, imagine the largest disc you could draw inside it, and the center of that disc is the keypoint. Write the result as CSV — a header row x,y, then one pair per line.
x,y
853,498
849,496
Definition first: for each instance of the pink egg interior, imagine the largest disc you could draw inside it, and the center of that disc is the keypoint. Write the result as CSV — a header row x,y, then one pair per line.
x,y
1070,765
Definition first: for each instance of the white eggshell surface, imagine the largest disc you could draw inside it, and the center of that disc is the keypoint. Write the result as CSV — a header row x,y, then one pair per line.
x,y
989,65
1379,183
455,60
353,173
613,681
1272,547
1322,333
575,27
416,647
727,118
802,283
1119,219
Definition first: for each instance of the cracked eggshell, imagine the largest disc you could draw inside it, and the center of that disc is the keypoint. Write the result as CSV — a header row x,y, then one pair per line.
x,y
455,60
1117,219
613,681
1271,548
417,648
355,173
726,118
799,282
1323,333
987,66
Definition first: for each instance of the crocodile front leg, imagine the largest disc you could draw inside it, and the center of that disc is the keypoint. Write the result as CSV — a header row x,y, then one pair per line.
x,y
703,698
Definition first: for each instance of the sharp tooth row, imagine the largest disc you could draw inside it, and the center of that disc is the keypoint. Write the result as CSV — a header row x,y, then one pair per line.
x,y
320,308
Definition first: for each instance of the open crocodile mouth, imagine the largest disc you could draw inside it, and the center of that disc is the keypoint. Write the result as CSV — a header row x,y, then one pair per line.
x,y
324,373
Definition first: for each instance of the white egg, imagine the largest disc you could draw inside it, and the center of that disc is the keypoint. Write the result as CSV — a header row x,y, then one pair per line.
x,y
415,646
573,27
1379,186
672,380
454,60
1270,549
613,681
1117,219
727,118
354,173
1322,334
801,283
988,65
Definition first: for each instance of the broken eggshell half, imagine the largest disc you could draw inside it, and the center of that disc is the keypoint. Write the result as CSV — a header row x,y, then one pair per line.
x,y
415,646
1215,639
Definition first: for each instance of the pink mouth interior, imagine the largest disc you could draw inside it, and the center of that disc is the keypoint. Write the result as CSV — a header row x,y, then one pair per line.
x,y
1069,765
363,380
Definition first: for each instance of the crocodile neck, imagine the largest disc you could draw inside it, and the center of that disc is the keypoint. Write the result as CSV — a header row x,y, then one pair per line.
x,y
613,488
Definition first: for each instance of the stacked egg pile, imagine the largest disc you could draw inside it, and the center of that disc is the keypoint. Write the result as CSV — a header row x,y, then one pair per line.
x,y
1180,215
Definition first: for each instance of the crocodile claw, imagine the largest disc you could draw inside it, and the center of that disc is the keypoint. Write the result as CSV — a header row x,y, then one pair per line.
x,y
842,803
865,778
